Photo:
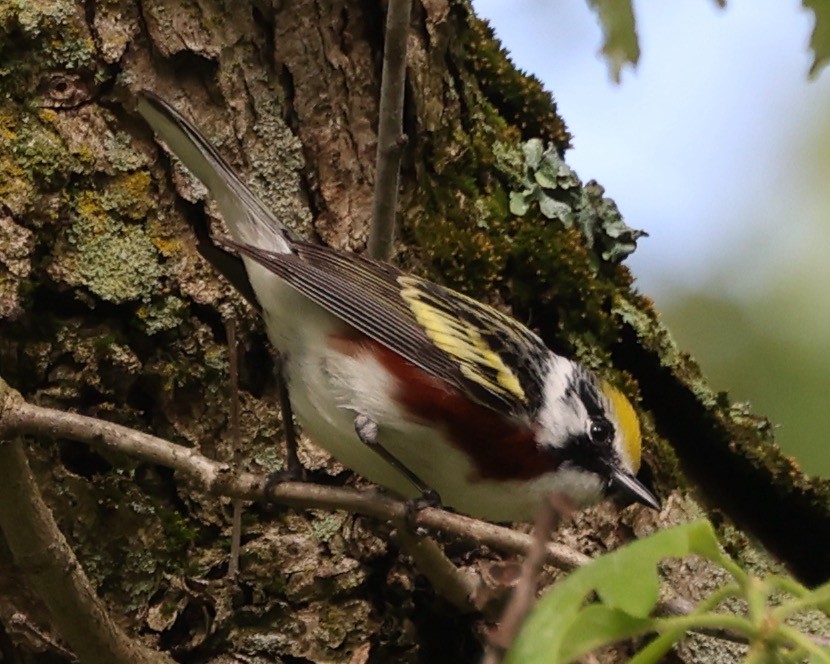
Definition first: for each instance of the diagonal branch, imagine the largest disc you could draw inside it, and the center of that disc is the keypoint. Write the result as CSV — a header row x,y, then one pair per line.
x,y
457,586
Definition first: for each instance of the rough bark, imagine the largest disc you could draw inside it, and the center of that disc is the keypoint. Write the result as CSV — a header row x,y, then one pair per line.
x,y
106,308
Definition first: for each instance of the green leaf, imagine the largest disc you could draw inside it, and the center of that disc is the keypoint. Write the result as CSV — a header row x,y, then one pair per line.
x,y
616,589
618,26
819,598
597,625
820,39
626,581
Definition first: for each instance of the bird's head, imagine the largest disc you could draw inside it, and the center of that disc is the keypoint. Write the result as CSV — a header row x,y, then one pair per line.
x,y
593,431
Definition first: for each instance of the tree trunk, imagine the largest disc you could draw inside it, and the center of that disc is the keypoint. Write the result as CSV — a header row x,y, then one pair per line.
x,y
106,308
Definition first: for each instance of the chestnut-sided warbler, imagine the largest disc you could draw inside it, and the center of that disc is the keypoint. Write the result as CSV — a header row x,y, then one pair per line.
x,y
413,385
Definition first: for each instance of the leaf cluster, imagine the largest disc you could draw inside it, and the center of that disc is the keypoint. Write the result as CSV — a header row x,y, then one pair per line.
x,y
612,599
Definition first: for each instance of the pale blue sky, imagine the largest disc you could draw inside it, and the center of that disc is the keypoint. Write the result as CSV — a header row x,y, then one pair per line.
x,y
696,143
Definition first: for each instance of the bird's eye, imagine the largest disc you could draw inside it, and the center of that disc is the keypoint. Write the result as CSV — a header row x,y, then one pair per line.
x,y
601,431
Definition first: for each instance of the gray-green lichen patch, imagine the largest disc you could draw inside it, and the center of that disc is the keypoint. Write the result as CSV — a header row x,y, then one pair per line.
x,y
277,160
39,150
553,185
273,162
329,632
92,136
113,526
294,561
114,259
37,36
161,313
649,330
82,358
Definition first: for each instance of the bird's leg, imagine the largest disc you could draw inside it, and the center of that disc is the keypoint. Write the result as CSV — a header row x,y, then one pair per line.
x,y
293,470
293,467
367,430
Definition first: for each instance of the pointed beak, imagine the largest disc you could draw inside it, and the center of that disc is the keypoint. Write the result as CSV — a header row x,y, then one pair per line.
x,y
631,487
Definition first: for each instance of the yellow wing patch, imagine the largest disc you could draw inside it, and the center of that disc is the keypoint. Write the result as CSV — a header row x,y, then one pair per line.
x,y
627,421
461,340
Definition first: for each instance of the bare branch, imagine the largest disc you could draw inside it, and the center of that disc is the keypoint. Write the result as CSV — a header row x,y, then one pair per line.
x,y
41,551
390,130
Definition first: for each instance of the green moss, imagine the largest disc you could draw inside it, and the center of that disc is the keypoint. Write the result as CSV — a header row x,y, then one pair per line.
x,y
462,209
179,534
519,97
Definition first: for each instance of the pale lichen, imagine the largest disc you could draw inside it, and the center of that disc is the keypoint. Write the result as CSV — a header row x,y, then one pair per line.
x,y
115,260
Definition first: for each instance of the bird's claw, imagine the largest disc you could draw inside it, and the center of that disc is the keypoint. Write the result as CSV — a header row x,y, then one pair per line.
x,y
429,498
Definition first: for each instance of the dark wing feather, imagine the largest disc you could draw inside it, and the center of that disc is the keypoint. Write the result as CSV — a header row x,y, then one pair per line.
x,y
477,349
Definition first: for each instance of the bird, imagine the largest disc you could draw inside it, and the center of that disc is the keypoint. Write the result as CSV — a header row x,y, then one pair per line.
x,y
435,396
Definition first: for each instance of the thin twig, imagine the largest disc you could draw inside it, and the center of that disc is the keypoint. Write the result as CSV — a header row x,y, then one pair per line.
x,y
236,504
547,518
42,552
390,130
20,623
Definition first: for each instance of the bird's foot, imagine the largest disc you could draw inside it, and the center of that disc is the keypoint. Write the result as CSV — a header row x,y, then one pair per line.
x,y
293,473
429,498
